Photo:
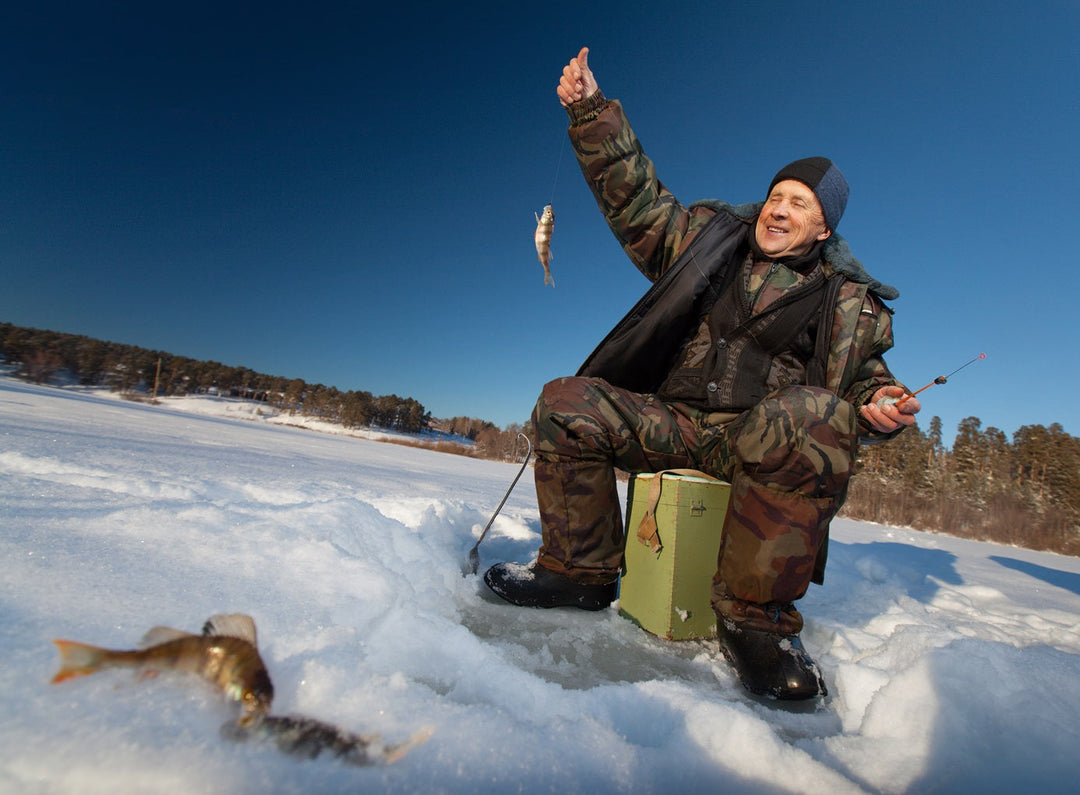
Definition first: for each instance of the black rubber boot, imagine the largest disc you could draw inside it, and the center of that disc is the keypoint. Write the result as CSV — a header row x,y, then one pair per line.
x,y
535,586
769,663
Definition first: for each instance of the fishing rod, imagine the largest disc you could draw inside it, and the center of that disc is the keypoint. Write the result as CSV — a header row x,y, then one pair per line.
x,y
472,562
941,379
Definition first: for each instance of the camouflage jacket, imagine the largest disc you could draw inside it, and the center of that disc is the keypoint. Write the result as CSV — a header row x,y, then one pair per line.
x,y
658,233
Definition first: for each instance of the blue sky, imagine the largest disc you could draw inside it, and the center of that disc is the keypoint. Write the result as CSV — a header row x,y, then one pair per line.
x,y
315,192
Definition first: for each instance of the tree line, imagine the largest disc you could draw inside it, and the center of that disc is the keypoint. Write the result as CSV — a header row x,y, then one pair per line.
x,y
42,355
1024,491
490,441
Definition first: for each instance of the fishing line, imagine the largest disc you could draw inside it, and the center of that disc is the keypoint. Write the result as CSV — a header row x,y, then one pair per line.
x,y
941,379
558,166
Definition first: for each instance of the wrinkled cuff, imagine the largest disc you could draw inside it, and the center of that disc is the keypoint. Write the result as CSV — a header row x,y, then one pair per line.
x,y
587,109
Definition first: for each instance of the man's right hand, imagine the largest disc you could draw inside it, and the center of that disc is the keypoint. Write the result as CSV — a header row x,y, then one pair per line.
x,y
577,81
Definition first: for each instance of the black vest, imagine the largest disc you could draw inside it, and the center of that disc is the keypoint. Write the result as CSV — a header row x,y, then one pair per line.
x,y
750,356
639,353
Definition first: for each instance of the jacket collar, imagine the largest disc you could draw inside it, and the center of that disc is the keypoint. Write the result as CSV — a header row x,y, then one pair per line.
x,y
835,250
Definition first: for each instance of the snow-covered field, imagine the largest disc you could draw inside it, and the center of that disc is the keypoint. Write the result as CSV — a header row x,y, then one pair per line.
x,y
953,666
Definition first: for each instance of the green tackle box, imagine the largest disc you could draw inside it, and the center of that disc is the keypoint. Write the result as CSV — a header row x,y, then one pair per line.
x,y
667,592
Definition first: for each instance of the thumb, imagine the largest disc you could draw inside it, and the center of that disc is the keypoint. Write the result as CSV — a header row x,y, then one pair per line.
x,y
588,80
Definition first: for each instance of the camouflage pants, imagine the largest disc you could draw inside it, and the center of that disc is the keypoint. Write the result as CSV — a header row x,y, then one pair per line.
x,y
788,460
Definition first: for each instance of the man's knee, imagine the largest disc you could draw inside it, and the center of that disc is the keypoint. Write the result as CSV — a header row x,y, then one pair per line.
x,y
802,438
559,400
811,405
567,416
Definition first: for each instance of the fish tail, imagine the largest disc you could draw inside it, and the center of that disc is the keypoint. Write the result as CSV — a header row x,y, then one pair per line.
x,y
395,752
78,659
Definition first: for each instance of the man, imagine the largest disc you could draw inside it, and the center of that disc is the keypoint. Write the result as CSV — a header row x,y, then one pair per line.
x,y
756,357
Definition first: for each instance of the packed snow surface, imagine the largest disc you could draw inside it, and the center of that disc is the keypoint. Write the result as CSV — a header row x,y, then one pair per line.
x,y
952,665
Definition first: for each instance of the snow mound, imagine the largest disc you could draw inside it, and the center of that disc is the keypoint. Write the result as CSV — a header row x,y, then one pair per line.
x,y
952,665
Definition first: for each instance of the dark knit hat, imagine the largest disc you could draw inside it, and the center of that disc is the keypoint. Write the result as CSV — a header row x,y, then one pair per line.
x,y
824,179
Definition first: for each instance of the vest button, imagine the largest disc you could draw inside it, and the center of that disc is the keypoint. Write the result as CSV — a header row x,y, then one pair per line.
x,y
711,386
721,343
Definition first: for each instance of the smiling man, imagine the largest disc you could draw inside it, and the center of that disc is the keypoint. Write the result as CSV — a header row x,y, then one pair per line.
x,y
756,357
793,218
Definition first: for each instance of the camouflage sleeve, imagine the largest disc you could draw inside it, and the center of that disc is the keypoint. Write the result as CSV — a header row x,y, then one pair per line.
x,y
870,373
649,223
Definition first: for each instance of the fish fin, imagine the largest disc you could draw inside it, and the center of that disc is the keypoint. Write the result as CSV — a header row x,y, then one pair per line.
x,y
394,752
77,659
158,635
233,625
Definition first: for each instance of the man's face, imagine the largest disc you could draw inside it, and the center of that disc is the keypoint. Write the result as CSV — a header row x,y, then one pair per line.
x,y
791,221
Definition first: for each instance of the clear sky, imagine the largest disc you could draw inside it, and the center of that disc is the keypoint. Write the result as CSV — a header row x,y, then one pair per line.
x,y
318,192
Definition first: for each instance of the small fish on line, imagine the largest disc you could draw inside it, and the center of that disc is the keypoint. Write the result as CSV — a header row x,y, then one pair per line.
x,y
225,654
307,738
545,225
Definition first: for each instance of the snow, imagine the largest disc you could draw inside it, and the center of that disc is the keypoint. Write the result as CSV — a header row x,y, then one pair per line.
x,y
952,665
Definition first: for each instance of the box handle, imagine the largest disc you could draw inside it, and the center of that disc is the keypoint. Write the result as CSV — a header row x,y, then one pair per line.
x,y
647,532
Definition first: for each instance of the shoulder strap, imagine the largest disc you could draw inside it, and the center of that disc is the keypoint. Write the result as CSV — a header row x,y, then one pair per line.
x,y
647,532
817,367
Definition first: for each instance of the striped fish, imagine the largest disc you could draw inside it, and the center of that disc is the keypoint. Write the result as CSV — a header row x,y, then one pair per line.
x,y
545,225
225,654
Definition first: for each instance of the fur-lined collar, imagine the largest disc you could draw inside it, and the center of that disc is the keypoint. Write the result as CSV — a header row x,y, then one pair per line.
x,y
835,251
